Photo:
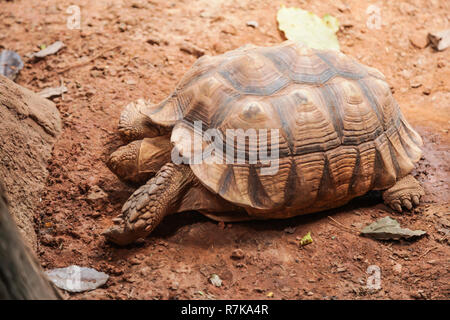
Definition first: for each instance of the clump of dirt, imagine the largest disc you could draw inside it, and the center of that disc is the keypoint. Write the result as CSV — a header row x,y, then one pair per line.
x,y
127,50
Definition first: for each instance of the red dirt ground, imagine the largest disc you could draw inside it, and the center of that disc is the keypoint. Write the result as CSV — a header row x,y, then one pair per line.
x,y
177,260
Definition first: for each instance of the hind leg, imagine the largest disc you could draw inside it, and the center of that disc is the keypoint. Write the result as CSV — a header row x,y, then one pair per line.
x,y
405,193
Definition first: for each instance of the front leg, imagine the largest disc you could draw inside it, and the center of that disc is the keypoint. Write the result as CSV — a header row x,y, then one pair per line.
x,y
135,125
149,204
405,193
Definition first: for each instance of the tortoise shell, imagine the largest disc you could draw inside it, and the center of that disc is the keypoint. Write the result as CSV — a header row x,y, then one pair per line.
x,y
341,133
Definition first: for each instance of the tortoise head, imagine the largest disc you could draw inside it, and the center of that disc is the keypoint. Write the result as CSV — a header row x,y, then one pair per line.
x,y
140,160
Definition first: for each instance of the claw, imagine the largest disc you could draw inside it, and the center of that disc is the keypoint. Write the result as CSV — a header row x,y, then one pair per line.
x,y
407,204
416,200
118,235
396,206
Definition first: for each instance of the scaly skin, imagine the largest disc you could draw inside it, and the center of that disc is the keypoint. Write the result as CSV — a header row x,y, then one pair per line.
x,y
134,125
149,204
405,193
124,162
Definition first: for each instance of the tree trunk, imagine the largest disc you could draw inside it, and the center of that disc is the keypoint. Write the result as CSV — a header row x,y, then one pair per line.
x,y
20,274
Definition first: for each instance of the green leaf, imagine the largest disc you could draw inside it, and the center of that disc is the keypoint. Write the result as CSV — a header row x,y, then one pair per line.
x,y
306,239
331,22
305,27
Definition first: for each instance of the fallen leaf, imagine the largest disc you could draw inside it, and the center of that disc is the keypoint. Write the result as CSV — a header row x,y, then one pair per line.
x,y
306,239
305,27
53,92
77,279
51,49
389,229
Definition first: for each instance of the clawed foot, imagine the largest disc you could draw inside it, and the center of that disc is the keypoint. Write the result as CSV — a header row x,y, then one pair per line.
x,y
405,194
118,235
150,203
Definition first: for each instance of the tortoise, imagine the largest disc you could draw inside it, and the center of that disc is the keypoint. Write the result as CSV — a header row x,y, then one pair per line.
x,y
340,135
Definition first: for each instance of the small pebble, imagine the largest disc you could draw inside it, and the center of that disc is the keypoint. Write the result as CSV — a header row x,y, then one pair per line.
x,y
237,254
397,268
215,280
253,24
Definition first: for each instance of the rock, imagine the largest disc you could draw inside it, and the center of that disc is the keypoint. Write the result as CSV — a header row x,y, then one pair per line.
x,y
95,73
237,254
157,40
253,24
30,127
49,240
117,220
416,82
419,294
285,289
407,74
215,280
343,7
135,261
153,41
229,29
219,47
10,64
289,230
192,49
397,268
440,40
96,193
139,5
122,27
419,40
